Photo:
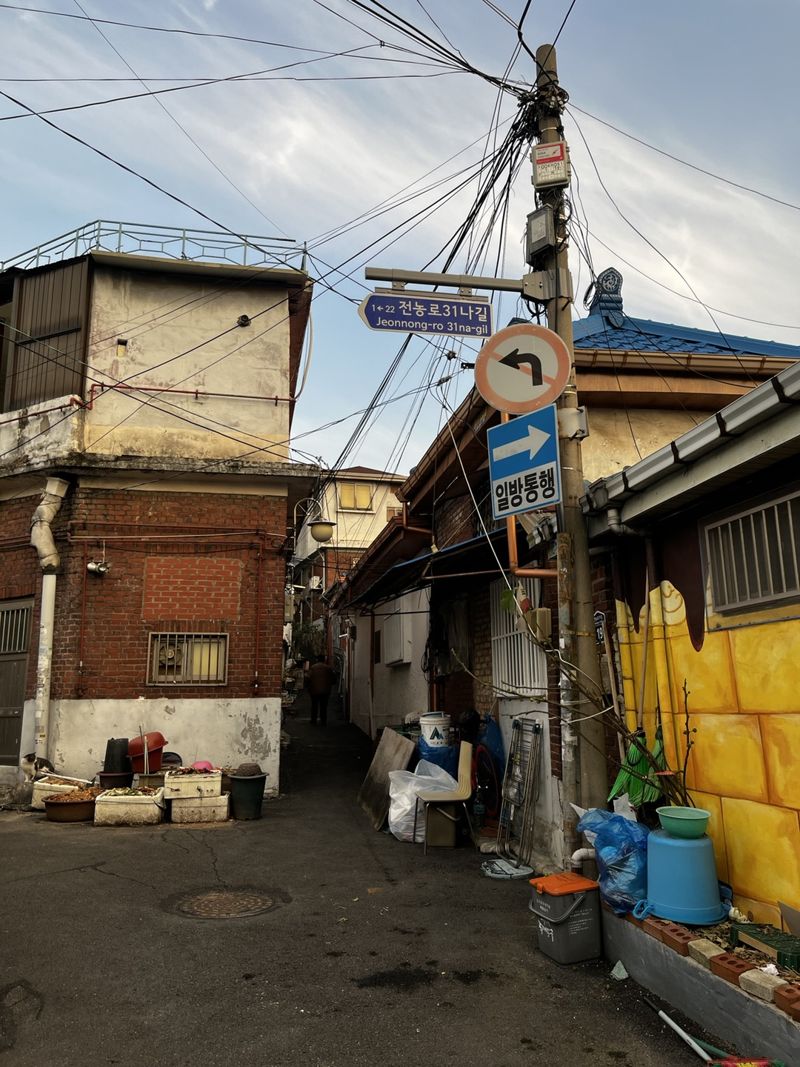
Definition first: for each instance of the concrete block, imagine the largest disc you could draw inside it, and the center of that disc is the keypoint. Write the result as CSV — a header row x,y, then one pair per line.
x,y
200,809
761,985
702,951
722,1008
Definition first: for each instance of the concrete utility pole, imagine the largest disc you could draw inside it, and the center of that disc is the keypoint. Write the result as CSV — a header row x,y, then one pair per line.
x,y
579,640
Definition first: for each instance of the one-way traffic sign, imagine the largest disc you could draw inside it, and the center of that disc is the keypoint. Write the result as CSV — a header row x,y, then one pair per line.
x,y
524,470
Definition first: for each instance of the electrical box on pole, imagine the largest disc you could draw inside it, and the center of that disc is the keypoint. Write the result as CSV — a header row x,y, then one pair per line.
x,y
540,234
550,164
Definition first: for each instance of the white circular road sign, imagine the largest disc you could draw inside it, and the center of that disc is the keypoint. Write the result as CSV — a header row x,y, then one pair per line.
x,y
522,368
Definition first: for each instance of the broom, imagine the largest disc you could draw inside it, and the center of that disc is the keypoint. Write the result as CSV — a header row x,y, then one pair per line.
x,y
635,770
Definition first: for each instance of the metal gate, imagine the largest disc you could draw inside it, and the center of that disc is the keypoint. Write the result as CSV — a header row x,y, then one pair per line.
x,y
15,626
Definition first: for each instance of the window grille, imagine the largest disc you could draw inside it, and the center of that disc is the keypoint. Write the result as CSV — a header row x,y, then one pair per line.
x,y
753,555
15,623
188,659
355,496
519,667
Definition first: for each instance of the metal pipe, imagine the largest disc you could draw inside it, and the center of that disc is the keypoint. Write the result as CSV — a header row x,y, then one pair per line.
x,y
257,634
101,387
462,281
49,561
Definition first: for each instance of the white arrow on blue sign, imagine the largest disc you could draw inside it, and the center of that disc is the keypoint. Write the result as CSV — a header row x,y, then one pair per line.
x,y
524,469
437,313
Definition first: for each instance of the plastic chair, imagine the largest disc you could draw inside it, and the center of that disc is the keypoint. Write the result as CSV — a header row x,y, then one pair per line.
x,y
444,806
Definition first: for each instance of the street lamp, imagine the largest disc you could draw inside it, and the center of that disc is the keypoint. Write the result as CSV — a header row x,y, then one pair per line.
x,y
321,529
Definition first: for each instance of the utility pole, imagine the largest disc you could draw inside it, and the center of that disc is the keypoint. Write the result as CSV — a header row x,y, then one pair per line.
x,y
579,647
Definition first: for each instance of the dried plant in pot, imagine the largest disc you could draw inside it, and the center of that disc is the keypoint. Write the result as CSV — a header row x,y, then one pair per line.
x,y
76,806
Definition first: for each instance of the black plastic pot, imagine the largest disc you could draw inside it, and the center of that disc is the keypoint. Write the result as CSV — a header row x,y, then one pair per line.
x,y
247,795
116,761
116,780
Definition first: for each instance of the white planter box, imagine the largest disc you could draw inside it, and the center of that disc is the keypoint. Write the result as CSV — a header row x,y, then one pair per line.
x,y
130,810
41,790
192,786
200,809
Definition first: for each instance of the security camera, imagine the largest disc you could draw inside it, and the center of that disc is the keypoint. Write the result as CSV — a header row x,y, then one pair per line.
x,y
96,567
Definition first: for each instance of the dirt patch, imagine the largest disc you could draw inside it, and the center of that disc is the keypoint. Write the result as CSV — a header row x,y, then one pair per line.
x,y
401,979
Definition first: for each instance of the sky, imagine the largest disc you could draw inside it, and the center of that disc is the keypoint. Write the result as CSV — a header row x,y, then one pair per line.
x,y
323,137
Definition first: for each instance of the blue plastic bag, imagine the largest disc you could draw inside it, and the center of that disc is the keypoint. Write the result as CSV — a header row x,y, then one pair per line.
x,y
490,736
444,756
621,851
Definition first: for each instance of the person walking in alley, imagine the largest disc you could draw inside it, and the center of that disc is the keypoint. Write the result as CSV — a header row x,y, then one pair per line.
x,y
320,683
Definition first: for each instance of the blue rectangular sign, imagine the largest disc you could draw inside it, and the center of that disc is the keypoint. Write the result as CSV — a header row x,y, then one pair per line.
x,y
524,470
434,313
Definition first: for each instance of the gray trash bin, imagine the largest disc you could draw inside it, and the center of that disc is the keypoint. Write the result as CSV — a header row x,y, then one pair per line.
x,y
567,910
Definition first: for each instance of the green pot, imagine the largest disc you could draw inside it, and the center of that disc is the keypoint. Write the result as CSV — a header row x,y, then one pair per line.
x,y
684,822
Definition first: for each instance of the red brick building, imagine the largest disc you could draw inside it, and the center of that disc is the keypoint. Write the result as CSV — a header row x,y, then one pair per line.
x,y
146,490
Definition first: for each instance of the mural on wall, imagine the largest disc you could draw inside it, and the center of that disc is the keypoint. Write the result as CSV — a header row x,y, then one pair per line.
x,y
744,766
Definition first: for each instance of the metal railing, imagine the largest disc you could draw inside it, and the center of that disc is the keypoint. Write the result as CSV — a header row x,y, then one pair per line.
x,y
171,242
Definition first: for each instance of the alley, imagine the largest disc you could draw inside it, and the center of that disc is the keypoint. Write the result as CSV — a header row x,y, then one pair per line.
x,y
370,953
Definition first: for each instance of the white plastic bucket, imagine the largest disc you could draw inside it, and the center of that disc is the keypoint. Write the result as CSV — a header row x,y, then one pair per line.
x,y
435,727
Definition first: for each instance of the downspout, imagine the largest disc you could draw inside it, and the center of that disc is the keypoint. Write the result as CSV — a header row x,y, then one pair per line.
x,y
49,561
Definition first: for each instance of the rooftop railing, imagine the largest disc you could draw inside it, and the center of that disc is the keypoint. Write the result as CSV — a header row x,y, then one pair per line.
x,y
171,242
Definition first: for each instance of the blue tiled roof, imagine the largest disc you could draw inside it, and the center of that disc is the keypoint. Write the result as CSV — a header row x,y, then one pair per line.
x,y
643,335
607,326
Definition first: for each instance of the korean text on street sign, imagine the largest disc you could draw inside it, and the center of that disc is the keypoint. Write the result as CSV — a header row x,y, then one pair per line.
x,y
524,471
522,368
436,313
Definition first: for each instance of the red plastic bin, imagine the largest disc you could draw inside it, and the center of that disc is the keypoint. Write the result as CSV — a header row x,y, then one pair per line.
x,y
154,742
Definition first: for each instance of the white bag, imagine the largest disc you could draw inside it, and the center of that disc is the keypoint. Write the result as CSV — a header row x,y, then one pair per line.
x,y
405,787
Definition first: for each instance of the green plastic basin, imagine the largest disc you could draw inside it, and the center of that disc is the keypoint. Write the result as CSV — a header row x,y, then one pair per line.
x,y
684,822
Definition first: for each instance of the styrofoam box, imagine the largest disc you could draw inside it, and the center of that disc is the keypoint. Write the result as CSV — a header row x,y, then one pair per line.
x,y
200,809
129,810
192,786
41,790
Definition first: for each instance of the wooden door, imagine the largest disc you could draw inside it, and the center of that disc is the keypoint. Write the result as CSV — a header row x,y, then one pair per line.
x,y
15,625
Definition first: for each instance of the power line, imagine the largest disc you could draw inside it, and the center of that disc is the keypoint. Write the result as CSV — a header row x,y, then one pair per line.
x,y
685,162
179,125
181,30
252,77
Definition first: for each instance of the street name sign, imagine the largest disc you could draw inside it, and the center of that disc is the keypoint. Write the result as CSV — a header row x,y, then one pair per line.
x,y
435,313
524,471
522,368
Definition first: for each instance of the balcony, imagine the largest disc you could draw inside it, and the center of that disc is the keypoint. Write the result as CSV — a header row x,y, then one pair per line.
x,y
171,242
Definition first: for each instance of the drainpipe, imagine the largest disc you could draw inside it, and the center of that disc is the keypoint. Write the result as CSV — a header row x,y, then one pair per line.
x,y
49,561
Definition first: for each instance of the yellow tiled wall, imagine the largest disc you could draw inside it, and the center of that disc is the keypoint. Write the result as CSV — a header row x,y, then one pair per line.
x,y
744,767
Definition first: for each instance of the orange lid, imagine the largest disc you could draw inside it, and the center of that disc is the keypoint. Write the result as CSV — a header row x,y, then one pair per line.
x,y
558,885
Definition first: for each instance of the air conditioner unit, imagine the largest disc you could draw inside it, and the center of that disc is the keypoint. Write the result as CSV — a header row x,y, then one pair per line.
x,y
315,582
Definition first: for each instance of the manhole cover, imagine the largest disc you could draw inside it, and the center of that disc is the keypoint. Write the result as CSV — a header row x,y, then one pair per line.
x,y
224,904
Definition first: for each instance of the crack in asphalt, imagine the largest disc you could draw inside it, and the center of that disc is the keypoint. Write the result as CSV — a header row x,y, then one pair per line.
x,y
214,858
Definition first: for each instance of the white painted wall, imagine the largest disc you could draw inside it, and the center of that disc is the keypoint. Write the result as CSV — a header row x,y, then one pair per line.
x,y
260,368
52,427
354,529
548,829
396,690
226,732
403,688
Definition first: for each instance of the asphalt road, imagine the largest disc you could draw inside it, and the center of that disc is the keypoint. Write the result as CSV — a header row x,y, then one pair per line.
x,y
370,953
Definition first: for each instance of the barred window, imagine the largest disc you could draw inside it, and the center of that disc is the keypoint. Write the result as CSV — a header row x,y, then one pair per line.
x,y
519,666
355,496
187,659
753,555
